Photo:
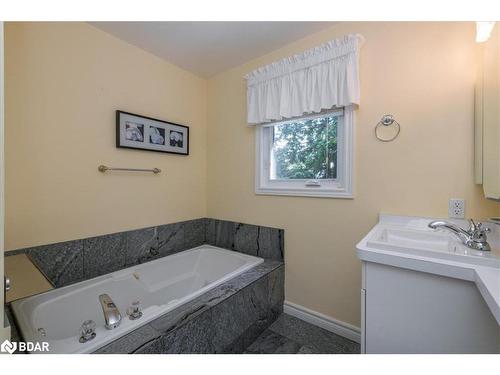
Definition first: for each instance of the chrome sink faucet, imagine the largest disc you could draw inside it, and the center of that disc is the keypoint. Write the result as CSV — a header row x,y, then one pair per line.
x,y
475,237
112,316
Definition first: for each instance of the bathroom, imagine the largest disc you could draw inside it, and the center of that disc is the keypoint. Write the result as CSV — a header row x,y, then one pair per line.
x,y
250,187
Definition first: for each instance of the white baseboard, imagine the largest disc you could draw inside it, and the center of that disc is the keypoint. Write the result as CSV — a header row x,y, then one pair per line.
x,y
336,326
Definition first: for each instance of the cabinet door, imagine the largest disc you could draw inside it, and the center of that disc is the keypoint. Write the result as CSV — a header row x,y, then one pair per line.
x,y
490,114
410,312
363,320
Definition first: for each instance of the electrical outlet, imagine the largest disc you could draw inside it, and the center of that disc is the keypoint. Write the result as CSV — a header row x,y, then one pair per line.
x,y
456,208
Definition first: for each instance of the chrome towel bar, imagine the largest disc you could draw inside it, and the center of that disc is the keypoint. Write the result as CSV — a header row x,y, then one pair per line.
x,y
103,168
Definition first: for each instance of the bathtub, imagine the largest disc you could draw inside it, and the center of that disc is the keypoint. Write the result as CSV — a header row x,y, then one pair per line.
x,y
160,286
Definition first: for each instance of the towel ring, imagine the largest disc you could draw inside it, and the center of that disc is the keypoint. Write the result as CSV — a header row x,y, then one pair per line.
x,y
387,120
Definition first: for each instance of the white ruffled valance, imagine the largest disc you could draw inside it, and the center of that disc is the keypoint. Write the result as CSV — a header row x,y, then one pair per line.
x,y
321,78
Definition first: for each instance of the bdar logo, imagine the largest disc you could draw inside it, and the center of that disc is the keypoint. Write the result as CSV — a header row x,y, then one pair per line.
x,y
8,347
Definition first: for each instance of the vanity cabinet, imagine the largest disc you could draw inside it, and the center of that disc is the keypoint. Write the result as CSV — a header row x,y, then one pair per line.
x,y
487,116
406,311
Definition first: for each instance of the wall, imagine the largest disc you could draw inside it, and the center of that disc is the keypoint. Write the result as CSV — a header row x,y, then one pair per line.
x,y
64,83
423,73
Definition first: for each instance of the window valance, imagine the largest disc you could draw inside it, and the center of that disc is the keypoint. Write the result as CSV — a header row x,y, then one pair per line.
x,y
323,77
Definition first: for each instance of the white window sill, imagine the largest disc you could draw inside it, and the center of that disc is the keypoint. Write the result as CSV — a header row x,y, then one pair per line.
x,y
307,192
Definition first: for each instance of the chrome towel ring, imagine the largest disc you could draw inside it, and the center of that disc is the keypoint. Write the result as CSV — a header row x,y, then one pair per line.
x,y
386,121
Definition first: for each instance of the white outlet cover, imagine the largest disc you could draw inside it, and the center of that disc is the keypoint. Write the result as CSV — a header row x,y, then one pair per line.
x,y
456,208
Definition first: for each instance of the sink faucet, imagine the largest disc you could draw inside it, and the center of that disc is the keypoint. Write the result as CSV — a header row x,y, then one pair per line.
x,y
112,316
474,238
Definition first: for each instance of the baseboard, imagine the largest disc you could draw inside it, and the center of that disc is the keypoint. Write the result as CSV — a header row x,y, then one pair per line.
x,y
336,326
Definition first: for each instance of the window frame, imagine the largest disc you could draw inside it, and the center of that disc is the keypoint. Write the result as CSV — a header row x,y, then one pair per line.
x,y
341,187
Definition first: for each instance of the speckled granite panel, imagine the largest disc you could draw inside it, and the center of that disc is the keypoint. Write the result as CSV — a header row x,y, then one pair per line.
x,y
224,234
192,337
194,233
104,254
243,318
62,263
171,239
129,343
264,242
211,298
246,238
271,243
276,280
142,246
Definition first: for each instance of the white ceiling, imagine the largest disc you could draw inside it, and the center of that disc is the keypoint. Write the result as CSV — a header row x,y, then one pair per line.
x,y
208,48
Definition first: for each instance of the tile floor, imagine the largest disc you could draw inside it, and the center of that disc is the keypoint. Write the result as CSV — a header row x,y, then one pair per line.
x,y
289,335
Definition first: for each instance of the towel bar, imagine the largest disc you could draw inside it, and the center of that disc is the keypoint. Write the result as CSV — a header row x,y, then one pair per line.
x,y
103,168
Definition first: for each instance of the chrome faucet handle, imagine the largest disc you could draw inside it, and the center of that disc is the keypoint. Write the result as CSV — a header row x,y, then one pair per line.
x,y
479,237
134,311
483,228
87,331
481,231
472,226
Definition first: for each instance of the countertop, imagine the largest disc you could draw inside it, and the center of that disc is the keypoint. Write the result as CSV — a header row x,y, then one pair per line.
x,y
25,278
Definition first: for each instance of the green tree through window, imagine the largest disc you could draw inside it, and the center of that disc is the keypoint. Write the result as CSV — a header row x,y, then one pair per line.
x,y
306,149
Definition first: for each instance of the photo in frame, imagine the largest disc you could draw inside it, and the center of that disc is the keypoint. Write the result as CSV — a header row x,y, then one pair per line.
x,y
150,134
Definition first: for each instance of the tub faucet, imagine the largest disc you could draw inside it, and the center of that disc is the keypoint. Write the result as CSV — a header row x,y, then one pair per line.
x,y
474,238
112,316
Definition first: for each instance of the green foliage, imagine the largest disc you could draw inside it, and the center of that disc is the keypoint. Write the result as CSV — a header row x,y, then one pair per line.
x,y
306,149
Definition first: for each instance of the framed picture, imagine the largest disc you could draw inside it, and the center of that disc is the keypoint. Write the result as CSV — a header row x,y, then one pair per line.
x,y
146,133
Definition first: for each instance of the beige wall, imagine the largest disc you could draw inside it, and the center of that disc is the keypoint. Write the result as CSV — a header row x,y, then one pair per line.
x,y
421,73
64,82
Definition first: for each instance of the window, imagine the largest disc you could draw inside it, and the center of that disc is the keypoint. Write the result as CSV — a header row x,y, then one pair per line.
x,y
309,156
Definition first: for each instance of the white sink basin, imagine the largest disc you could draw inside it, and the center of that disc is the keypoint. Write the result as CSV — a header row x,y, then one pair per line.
x,y
427,242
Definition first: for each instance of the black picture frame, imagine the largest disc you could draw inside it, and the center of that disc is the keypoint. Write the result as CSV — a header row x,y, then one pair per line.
x,y
138,132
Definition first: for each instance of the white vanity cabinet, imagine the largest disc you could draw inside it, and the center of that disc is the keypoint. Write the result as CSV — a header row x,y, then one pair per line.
x,y
408,311
425,292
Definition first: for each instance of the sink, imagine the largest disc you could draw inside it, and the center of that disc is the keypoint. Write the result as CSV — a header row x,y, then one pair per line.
x,y
427,242
416,239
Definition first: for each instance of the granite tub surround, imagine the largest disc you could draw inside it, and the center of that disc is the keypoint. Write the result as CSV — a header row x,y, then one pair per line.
x,y
69,262
61,263
225,319
264,242
142,246
104,254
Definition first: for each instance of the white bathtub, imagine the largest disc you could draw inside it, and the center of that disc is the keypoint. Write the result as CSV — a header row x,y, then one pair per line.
x,y
160,286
